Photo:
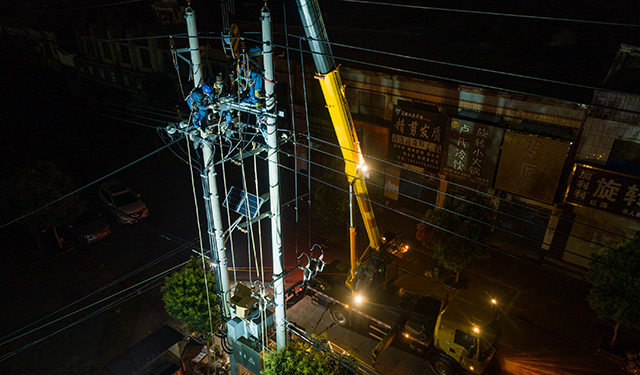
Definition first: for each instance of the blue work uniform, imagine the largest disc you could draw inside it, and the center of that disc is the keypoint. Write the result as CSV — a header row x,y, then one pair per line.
x,y
198,103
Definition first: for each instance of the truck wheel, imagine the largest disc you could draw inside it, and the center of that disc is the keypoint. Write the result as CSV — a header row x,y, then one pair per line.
x,y
443,368
339,314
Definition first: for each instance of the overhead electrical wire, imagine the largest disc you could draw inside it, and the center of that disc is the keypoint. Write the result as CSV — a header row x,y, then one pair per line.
x,y
421,59
486,195
468,83
87,185
450,182
455,197
197,214
422,7
466,217
487,246
398,56
16,334
95,6
102,309
455,80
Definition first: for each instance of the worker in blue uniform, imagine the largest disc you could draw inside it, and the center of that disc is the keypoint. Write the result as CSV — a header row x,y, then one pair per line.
x,y
198,101
252,82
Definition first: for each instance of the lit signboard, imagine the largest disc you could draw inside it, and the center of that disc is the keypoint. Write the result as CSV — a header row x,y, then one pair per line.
x,y
417,137
531,166
471,152
604,190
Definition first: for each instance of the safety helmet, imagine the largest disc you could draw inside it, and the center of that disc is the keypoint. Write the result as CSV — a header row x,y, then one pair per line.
x,y
206,89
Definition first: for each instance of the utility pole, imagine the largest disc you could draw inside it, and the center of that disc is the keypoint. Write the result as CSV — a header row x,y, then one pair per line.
x,y
274,180
214,219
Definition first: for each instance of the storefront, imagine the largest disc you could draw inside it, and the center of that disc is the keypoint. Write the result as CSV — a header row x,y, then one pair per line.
x,y
607,209
416,143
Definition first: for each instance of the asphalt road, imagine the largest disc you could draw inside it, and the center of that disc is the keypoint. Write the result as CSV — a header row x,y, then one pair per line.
x,y
37,284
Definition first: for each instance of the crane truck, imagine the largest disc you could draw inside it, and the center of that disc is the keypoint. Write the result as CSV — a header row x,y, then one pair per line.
x,y
452,335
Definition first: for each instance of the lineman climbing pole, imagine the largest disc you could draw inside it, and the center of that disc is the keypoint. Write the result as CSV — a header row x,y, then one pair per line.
x,y
274,182
216,240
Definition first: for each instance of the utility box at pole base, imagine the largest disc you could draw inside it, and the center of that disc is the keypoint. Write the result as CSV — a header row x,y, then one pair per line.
x,y
247,354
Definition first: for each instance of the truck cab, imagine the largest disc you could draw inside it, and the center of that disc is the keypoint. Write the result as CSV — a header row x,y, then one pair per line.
x,y
468,333
377,269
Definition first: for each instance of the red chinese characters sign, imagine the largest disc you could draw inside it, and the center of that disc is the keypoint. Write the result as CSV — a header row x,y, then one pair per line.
x,y
531,166
416,138
604,190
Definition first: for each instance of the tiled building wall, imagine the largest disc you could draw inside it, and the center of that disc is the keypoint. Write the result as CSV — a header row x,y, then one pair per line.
x,y
598,137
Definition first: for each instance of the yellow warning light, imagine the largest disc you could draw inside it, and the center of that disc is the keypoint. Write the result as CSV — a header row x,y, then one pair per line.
x,y
476,329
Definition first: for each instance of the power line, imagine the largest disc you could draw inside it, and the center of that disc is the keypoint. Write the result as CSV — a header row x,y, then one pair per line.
x,y
89,184
487,195
450,211
8,340
491,13
408,57
97,6
95,313
487,246
458,81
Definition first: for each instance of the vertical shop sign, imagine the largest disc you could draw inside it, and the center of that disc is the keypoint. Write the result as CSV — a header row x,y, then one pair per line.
x,y
471,152
604,190
531,166
417,137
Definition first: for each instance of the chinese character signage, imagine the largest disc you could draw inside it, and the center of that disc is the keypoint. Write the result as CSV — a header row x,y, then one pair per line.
x,y
471,152
531,166
417,138
604,190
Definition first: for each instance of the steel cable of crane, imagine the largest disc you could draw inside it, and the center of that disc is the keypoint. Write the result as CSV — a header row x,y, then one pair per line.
x,y
422,7
306,115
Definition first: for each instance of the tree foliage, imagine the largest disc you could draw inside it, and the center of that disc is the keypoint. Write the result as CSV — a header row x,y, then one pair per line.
x,y
615,276
301,359
185,297
456,251
35,186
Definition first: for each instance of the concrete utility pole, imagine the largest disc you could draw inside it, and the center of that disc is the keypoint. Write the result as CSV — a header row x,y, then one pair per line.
x,y
274,180
216,240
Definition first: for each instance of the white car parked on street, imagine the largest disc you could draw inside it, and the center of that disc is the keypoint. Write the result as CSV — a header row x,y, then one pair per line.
x,y
126,206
